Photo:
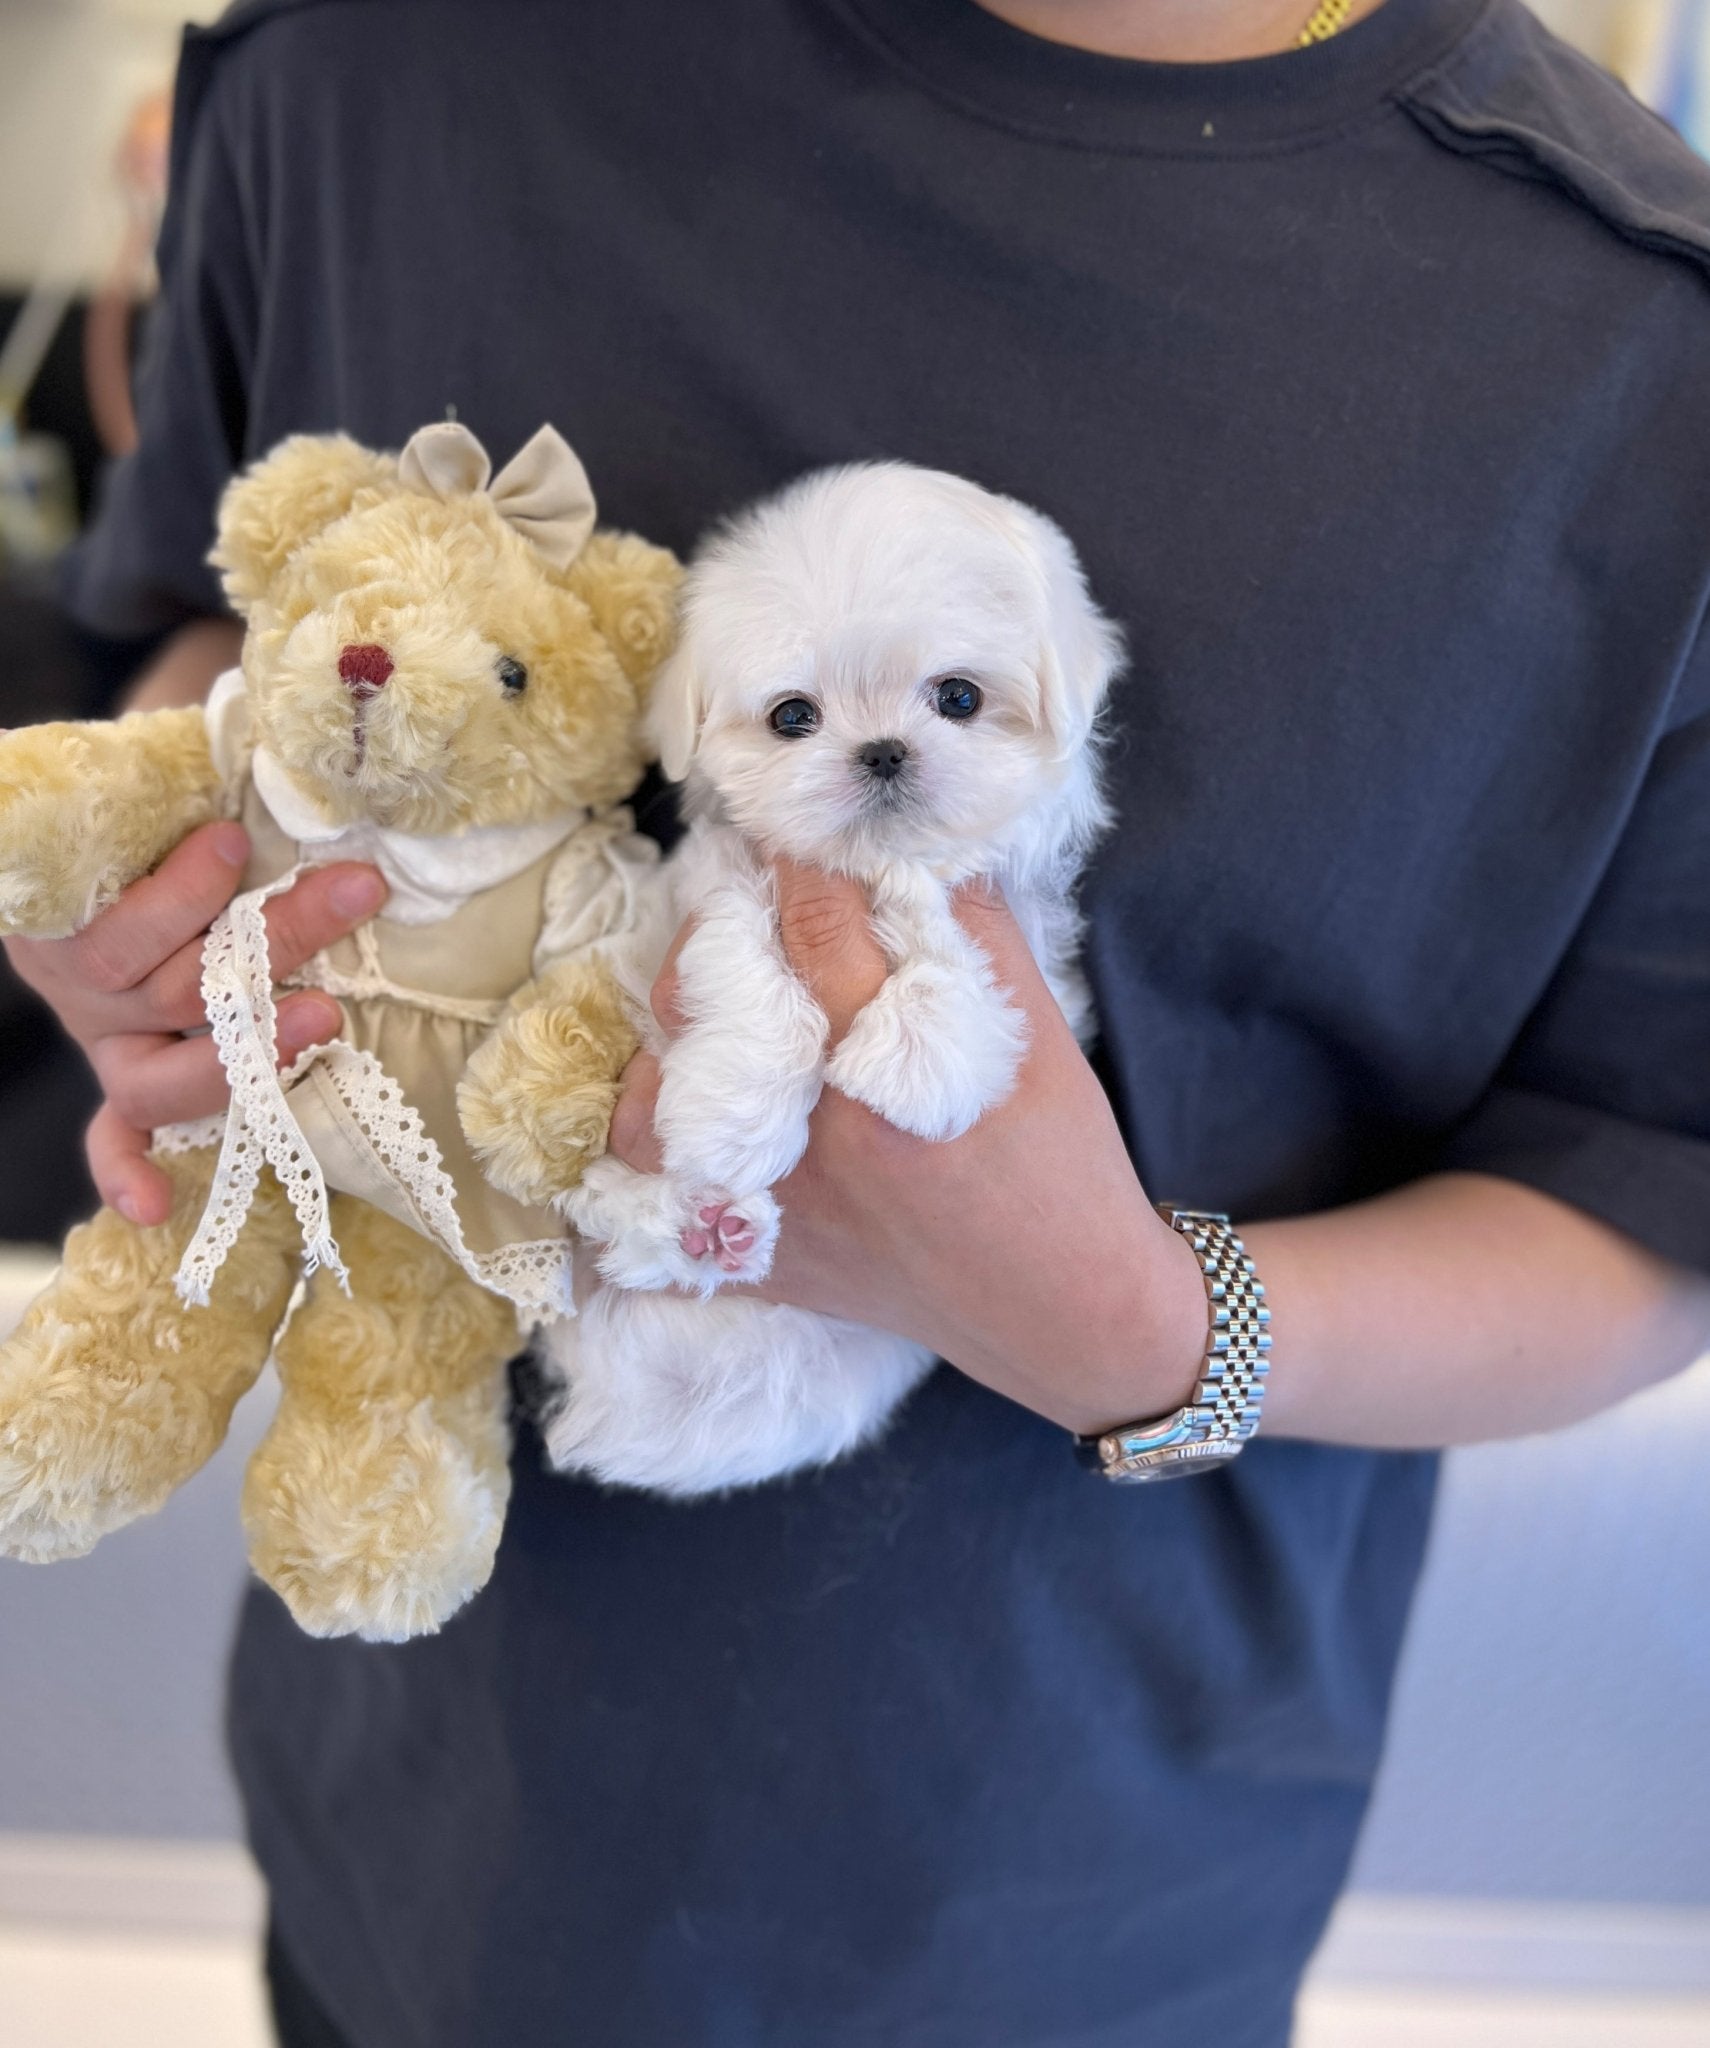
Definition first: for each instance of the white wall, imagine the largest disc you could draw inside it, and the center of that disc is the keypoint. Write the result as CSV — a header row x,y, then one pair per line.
x,y
70,71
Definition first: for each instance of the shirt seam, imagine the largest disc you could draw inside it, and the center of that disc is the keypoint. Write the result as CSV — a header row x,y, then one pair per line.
x,y
1466,118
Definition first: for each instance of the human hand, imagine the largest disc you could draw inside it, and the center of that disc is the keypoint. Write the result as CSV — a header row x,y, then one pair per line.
x,y
129,984
1026,1252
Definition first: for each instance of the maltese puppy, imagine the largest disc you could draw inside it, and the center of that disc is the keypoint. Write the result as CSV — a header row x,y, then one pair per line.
x,y
894,675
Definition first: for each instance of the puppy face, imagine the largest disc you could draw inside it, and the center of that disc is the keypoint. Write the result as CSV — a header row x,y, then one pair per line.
x,y
416,664
884,663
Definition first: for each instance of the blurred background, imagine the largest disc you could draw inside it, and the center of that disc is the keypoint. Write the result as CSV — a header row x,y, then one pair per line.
x,y
1536,1869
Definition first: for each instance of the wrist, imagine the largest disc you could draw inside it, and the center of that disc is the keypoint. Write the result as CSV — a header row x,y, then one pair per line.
x,y
1144,1351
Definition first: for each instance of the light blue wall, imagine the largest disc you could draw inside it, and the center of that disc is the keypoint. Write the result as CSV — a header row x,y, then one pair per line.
x,y
1551,1733
1549,1738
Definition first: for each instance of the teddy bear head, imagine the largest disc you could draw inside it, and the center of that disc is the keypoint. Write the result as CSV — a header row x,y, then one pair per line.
x,y
432,652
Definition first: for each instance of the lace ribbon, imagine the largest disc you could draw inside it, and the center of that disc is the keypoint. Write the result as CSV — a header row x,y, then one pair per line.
x,y
534,1276
237,991
259,1129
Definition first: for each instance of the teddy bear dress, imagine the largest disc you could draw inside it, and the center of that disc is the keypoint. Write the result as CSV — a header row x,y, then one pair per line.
x,y
471,918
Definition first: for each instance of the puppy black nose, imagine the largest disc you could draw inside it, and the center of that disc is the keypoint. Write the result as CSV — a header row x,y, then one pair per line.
x,y
884,760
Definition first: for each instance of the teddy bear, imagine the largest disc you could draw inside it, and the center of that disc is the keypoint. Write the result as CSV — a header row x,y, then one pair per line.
x,y
443,673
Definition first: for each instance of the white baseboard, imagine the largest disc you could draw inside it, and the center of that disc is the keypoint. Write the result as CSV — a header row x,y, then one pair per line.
x,y
1585,1950
97,1884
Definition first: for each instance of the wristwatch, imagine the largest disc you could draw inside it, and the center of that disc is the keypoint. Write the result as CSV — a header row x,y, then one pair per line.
x,y
1224,1412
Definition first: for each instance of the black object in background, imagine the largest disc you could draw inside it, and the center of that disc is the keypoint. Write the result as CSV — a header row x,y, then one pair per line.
x,y
47,1094
49,668
56,403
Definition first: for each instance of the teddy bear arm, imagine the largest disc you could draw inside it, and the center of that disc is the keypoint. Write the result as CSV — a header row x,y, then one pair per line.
x,y
536,1099
87,808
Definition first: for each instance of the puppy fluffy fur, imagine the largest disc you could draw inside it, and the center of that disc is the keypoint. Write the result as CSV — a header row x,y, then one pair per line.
x,y
896,675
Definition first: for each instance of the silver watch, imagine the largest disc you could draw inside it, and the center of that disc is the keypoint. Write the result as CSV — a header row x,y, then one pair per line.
x,y
1224,1411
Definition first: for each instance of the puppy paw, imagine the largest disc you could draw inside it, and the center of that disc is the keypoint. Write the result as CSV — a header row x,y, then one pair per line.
x,y
932,1052
654,1233
728,1234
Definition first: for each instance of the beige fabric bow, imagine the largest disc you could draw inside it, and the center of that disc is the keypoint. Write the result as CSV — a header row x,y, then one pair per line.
x,y
543,491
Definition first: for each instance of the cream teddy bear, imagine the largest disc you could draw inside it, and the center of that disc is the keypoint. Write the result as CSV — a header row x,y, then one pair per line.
x,y
443,677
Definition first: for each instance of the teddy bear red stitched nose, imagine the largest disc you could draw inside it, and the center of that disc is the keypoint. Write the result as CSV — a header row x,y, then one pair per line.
x,y
365,669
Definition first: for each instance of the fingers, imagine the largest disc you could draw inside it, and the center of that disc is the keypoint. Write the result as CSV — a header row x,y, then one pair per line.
x,y
162,913
154,1078
138,966
322,907
663,997
632,1136
319,910
123,1174
982,912
827,934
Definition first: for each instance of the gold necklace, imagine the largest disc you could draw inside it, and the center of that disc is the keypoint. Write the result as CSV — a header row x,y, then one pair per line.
x,y
1326,18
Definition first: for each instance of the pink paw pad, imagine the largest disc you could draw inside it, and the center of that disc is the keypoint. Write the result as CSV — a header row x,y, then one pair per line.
x,y
721,1234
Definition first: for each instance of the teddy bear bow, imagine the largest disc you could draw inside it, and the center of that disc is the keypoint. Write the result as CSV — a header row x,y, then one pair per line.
x,y
543,491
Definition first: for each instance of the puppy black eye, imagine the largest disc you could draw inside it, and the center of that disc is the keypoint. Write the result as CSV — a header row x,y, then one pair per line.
x,y
795,718
956,697
513,675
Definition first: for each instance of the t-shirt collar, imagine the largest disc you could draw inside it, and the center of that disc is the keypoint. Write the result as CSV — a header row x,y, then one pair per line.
x,y
1058,93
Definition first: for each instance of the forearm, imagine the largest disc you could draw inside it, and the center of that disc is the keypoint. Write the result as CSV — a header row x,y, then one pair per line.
x,y
1464,1307
1027,1253
184,670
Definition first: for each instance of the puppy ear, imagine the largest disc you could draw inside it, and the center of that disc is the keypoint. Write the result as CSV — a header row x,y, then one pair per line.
x,y
1081,650
279,502
674,714
631,589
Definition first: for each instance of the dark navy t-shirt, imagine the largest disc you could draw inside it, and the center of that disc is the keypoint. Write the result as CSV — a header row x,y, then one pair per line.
x,y
1373,383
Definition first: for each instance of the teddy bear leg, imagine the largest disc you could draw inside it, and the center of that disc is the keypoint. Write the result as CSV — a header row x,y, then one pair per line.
x,y
112,1390
373,1506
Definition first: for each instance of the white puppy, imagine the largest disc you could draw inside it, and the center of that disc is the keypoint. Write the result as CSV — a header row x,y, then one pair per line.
x,y
893,674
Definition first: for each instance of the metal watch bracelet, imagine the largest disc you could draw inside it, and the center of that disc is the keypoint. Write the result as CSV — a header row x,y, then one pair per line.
x,y
1225,1409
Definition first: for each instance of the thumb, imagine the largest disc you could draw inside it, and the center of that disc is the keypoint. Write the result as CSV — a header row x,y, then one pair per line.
x,y
825,925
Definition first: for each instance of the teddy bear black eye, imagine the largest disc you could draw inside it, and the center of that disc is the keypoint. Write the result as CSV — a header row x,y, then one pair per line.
x,y
513,675
795,718
958,698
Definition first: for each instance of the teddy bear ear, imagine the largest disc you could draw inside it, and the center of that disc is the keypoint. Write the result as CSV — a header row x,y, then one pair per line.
x,y
277,503
631,589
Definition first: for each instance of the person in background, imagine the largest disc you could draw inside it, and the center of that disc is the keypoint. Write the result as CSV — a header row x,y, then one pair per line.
x,y
1362,352
139,168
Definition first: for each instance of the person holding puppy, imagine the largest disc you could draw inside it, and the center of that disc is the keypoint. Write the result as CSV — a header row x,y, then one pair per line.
x,y
1366,374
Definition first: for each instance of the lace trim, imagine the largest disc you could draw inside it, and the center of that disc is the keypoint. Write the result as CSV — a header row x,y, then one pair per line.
x,y
260,1129
199,1136
595,889
536,1276
237,992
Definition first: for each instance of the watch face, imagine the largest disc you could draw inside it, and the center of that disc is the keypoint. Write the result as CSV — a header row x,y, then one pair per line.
x,y
1178,1461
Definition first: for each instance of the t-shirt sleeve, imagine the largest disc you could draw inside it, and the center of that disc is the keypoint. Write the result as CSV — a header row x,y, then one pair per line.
x,y
141,567
1604,1099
